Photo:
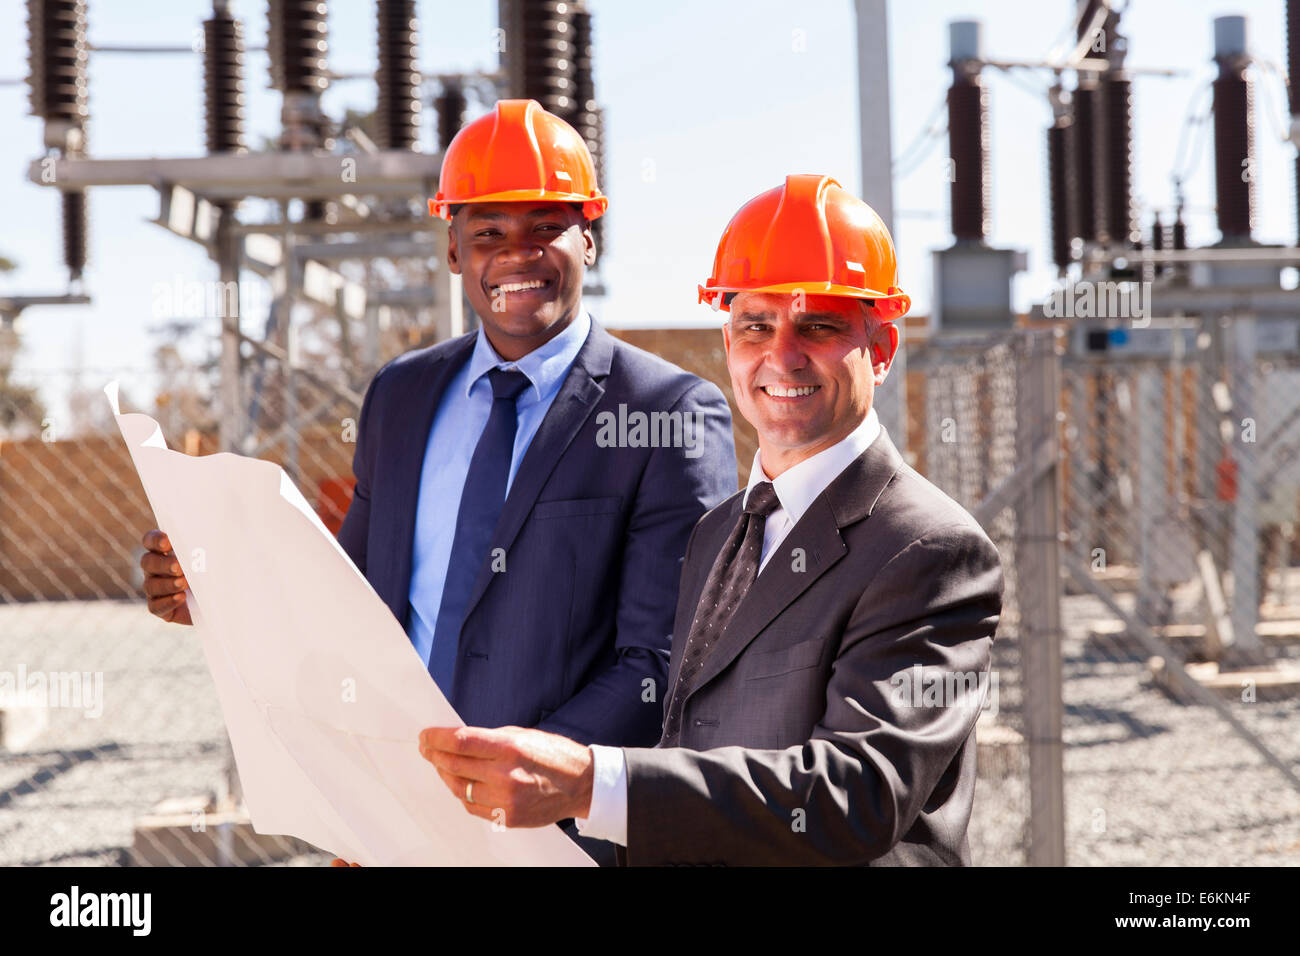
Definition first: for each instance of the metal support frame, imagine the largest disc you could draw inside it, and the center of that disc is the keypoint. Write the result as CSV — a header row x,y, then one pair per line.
x,y
238,176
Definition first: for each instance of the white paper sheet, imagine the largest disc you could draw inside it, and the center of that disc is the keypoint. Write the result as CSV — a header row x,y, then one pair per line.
x,y
323,695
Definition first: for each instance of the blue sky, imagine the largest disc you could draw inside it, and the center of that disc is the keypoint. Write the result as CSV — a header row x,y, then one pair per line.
x,y
715,98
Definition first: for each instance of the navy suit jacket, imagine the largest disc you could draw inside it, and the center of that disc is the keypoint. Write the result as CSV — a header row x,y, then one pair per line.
x,y
573,636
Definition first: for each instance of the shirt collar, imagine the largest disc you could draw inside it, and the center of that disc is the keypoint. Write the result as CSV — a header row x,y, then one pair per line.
x,y
798,487
545,366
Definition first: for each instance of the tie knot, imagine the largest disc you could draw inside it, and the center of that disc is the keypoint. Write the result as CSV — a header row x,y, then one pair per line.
x,y
507,383
762,500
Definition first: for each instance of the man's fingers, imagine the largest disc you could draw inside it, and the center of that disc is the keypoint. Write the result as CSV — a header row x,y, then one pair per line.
x,y
167,607
480,742
484,805
157,587
470,768
152,562
155,540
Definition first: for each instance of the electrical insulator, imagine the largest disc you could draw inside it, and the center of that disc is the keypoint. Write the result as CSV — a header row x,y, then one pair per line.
x,y
1234,146
598,158
1059,192
587,117
397,114
539,52
74,232
1293,85
297,42
1292,53
1085,168
1116,143
223,83
57,57
1158,241
584,85
968,115
450,106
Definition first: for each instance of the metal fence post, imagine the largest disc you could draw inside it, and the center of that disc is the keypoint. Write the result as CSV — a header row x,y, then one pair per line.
x,y
1039,525
1245,513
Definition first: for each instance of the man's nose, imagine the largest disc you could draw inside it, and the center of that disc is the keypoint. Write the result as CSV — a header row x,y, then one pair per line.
x,y
785,351
521,250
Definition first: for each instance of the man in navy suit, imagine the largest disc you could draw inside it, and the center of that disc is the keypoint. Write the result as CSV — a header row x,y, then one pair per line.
x,y
525,492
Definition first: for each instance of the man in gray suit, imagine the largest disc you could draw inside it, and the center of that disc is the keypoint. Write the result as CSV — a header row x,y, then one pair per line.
x,y
835,618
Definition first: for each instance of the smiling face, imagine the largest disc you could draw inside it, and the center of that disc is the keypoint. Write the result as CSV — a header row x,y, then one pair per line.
x,y
804,378
523,265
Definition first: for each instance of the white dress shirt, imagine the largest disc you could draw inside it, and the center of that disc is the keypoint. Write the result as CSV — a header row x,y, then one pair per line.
x,y
796,489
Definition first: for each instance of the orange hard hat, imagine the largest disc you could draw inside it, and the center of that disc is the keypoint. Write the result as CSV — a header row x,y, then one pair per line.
x,y
518,153
812,236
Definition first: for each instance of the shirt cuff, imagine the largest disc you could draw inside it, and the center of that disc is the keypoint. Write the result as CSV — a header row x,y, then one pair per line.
x,y
607,819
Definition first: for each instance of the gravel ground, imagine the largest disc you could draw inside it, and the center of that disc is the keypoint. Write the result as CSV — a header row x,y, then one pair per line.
x,y
73,793
1148,781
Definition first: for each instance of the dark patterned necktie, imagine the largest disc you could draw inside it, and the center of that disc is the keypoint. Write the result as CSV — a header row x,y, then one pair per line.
x,y
480,506
733,571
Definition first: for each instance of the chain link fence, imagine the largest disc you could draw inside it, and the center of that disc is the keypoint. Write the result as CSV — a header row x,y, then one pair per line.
x,y
962,401
1181,485
114,747
1176,476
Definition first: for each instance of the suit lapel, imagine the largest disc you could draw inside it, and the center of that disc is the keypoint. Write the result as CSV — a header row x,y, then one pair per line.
x,y
581,390
419,394
848,499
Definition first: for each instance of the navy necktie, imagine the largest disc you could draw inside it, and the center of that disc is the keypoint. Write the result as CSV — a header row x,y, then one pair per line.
x,y
734,571
481,502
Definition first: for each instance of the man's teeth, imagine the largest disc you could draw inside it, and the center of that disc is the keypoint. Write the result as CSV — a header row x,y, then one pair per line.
x,y
779,391
520,286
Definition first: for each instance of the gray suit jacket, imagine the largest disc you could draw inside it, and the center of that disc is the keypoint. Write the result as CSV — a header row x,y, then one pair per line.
x,y
802,739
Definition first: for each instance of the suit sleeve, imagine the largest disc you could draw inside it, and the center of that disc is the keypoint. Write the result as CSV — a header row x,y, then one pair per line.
x,y
676,489
850,793
356,523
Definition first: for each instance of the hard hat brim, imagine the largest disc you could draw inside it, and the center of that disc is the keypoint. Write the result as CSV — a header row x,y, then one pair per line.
x,y
900,302
593,207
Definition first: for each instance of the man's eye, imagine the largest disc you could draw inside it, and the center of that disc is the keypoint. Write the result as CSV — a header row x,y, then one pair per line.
x,y
486,234
551,226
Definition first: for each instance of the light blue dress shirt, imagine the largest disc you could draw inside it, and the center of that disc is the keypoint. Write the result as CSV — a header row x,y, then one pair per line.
x,y
461,417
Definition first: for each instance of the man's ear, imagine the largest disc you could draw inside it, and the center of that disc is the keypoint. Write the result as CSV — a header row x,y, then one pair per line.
x,y
884,346
453,251
726,336
589,241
